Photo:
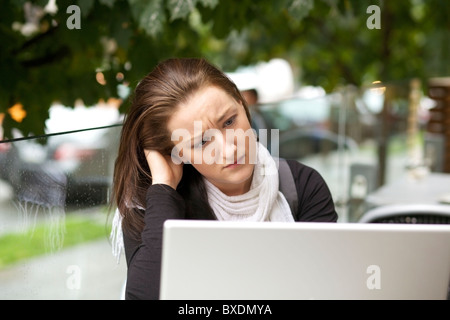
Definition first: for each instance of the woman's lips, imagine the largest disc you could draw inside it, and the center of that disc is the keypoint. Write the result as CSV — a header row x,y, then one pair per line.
x,y
236,163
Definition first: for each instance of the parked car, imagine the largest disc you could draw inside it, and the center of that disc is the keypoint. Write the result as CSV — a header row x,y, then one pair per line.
x,y
87,160
302,128
31,177
66,168
4,149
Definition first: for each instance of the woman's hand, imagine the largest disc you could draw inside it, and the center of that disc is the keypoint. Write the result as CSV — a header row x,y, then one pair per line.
x,y
163,169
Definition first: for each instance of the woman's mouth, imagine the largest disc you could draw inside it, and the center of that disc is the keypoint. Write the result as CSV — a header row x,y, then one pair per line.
x,y
236,163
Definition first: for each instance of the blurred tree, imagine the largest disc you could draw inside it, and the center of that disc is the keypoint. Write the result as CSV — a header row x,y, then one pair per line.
x,y
44,58
331,44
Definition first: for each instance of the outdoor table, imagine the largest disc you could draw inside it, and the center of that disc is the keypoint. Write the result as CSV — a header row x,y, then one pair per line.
x,y
432,188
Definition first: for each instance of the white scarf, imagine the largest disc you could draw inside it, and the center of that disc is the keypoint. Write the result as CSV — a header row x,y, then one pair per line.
x,y
116,236
263,202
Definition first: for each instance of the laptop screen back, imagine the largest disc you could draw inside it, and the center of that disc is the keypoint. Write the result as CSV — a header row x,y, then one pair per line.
x,y
243,260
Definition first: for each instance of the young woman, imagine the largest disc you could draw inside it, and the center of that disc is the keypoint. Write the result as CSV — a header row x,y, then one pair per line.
x,y
187,151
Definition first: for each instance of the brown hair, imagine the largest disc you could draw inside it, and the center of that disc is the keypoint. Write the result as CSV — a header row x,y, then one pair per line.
x,y
154,101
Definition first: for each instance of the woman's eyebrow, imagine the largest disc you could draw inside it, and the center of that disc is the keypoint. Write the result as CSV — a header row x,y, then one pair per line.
x,y
222,116
219,119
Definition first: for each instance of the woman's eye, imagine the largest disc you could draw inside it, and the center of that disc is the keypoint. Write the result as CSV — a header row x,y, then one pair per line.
x,y
230,121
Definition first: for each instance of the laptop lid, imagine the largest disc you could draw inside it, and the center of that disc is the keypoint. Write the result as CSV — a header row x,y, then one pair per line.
x,y
270,260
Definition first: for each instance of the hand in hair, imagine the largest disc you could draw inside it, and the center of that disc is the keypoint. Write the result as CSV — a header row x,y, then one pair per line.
x,y
163,169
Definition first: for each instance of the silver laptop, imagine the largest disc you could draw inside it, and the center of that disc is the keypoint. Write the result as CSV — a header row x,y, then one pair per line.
x,y
212,260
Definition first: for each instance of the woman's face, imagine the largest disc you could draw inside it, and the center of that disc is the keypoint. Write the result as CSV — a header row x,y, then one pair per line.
x,y
212,132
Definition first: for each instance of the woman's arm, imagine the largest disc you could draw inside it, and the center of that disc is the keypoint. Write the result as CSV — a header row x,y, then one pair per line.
x,y
163,203
144,262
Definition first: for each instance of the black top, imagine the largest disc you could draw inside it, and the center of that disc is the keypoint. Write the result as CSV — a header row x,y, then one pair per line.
x,y
163,202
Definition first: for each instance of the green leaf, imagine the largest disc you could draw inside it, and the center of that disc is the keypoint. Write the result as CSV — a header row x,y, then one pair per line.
x,y
209,3
299,9
18,3
149,15
86,7
109,3
180,8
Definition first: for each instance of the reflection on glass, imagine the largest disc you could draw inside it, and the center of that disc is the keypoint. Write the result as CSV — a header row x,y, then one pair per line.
x,y
55,196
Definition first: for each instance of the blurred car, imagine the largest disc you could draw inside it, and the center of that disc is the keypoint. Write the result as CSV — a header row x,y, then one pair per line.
x,y
72,167
4,149
87,160
33,180
302,127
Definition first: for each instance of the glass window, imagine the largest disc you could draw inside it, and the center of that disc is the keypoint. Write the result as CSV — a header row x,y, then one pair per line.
x,y
54,235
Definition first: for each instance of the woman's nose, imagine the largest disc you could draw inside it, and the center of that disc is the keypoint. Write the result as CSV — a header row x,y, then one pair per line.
x,y
229,149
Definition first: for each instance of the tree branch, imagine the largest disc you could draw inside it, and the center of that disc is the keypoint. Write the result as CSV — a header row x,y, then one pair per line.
x,y
49,58
35,39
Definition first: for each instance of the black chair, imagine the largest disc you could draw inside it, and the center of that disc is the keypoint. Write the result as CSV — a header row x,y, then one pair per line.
x,y
408,213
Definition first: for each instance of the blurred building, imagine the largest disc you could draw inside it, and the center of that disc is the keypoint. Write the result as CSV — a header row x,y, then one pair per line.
x,y
438,127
